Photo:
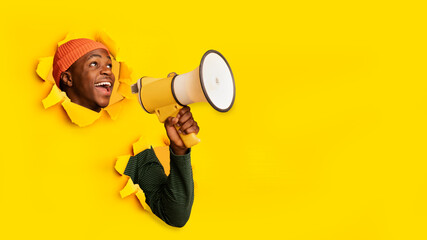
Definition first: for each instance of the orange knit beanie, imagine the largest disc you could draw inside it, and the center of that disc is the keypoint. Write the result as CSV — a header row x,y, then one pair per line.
x,y
70,52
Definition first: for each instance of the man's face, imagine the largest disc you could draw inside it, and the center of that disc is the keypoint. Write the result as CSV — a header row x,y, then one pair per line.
x,y
92,80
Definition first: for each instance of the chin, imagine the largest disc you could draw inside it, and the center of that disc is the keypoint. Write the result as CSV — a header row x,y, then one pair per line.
x,y
104,105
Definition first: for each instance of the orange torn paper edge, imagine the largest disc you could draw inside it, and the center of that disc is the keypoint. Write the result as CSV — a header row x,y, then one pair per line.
x,y
79,115
122,161
138,147
132,188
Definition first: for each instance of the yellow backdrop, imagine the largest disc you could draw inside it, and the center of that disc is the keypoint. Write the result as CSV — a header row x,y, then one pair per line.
x,y
326,140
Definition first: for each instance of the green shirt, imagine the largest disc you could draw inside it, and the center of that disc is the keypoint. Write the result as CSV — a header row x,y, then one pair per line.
x,y
169,197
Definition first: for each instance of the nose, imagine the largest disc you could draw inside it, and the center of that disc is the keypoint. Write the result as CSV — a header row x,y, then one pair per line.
x,y
106,70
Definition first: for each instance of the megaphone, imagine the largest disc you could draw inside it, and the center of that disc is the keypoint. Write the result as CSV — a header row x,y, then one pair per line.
x,y
212,81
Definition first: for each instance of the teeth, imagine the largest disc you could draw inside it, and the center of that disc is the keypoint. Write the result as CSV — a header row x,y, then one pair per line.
x,y
108,84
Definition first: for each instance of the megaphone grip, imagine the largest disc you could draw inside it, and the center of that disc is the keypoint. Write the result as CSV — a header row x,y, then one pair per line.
x,y
171,111
189,139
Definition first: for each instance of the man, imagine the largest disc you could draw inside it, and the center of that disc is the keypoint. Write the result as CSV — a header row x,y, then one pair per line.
x,y
82,69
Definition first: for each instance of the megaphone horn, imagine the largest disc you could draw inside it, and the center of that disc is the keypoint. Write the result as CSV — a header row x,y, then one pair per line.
x,y
212,81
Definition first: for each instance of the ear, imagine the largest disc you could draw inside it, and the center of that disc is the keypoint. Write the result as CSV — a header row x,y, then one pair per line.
x,y
66,79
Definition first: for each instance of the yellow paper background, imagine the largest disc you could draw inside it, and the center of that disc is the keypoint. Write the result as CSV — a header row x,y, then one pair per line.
x,y
326,140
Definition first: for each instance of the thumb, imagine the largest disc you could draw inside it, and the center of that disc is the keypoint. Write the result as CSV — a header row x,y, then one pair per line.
x,y
172,132
171,121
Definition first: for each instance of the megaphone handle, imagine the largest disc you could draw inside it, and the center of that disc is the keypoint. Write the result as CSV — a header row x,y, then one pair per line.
x,y
188,139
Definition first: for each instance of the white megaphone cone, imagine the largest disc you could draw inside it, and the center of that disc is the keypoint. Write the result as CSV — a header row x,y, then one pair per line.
x,y
212,81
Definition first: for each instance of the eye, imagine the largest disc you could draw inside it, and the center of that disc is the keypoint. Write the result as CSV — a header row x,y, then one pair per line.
x,y
93,64
109,66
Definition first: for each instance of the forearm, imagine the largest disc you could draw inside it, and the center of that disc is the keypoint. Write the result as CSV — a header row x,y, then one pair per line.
x,y
169,197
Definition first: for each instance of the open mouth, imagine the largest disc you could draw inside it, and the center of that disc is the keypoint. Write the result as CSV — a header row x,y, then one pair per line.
x,y
104,87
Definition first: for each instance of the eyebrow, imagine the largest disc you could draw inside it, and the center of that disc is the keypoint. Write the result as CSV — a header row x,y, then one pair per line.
x,y
97,55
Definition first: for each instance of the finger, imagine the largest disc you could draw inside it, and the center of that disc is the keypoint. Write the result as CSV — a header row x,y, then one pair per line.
x,y
184,118
170,127
193,129
175,139
189,123
173,134
171,121
183,111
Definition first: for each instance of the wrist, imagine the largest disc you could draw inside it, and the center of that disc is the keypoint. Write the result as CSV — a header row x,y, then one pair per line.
x,y
178,151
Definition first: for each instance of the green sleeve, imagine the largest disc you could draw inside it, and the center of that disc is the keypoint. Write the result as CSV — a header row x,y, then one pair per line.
x,y
169,197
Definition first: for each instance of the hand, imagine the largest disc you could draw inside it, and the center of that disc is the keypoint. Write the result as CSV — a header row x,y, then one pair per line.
x,y
186,124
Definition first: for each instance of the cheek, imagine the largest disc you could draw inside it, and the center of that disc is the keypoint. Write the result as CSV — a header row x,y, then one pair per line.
x,y
85,86
89,80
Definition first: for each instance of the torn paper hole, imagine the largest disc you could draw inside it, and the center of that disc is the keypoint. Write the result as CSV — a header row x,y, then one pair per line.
x,y
129,189
121,164
147,142
44,69
79,115
120,92
114,110
55,96
141,197
162,152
